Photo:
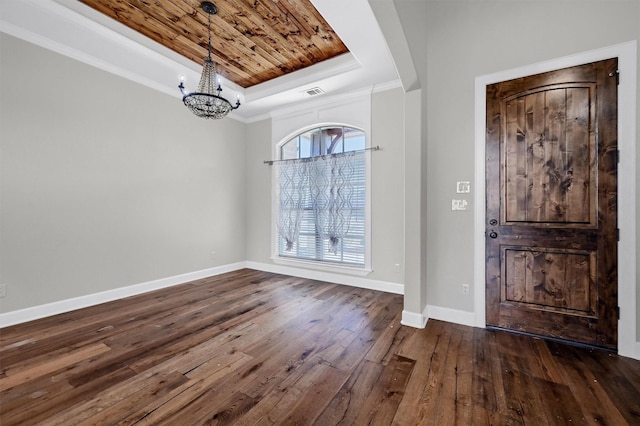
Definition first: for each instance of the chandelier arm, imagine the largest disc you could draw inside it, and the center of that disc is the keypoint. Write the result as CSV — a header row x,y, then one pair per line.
x,y
183,89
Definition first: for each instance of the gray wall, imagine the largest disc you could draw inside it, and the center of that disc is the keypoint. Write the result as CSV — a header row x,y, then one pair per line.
x,y
105,183
387,177
258,192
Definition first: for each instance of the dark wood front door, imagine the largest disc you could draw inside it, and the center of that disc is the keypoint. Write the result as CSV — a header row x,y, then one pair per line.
x,y
551,214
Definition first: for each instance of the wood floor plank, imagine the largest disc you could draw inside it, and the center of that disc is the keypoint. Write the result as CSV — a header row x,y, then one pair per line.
x,y
346,404
293,389
38,410
597,405
445,377
523,398
194,353
273,366
464,367
382,403
187,396
602,365
316,397
119,402
494,390
233,408
16,376
30,394
252,347
388,342
272,396
420,402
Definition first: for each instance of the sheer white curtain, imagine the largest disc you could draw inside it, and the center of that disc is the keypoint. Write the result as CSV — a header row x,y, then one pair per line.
x,y
333,188
293,177
323,184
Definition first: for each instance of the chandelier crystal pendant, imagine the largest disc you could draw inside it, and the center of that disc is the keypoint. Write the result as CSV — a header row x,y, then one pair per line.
x,y
206,102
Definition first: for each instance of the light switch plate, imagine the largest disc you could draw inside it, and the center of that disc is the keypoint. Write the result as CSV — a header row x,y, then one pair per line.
x,y
463,187
459,205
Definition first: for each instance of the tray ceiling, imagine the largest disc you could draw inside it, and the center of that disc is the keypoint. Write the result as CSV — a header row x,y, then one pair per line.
x,y
252,41
74,29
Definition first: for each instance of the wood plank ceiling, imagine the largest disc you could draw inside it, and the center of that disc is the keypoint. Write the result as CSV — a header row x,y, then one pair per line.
x,y
253,41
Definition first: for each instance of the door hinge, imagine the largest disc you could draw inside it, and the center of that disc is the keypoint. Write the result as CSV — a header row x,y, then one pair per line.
x,y
615,74
618,234
617,154
618,312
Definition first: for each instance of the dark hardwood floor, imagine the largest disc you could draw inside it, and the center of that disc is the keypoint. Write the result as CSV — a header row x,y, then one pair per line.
x,y
251,347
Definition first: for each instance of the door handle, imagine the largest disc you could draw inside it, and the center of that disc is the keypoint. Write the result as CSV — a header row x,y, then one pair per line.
x,y
493,234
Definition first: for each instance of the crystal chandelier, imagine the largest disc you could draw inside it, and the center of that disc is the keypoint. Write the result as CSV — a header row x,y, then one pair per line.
x,y
206,102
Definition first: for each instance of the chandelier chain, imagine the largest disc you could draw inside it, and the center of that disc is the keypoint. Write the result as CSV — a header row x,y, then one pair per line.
x,y
209,28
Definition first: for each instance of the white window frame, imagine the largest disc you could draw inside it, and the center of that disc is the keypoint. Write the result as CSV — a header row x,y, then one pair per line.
x,y
319,265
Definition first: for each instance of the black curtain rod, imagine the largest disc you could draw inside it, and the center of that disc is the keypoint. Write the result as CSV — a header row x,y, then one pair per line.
x,y
373,148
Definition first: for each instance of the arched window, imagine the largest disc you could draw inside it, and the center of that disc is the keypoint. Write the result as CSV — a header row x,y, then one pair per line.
x,y
322,197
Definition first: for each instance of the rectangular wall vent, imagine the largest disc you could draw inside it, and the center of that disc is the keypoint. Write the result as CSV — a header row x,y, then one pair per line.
x,y
313,91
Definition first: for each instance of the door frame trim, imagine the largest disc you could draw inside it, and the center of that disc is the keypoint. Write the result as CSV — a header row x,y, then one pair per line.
x,y
626,53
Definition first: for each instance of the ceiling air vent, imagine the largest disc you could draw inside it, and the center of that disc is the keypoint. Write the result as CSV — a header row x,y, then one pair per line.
x,y
313,91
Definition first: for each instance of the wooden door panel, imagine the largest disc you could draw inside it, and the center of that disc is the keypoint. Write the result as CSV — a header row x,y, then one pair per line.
x,y
551,207
550,157
553,280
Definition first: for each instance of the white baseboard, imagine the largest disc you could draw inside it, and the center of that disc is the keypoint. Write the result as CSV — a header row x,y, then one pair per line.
x,y
367,283
451,315
62,306
413,319
455,316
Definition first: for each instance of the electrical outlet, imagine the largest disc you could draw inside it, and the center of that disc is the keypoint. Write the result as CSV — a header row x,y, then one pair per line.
x,y
3,290
396,267
465,289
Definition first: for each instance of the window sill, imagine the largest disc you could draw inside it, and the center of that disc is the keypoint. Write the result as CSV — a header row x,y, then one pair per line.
x,y
321,266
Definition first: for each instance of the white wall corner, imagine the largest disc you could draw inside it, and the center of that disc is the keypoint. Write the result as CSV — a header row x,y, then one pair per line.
x,y
413,319
62,306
